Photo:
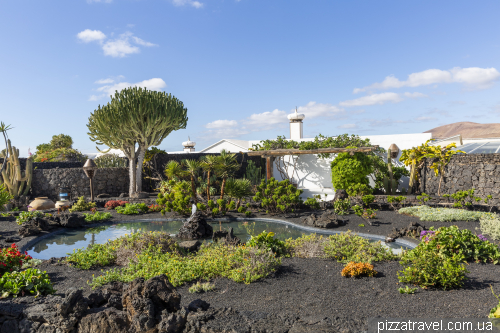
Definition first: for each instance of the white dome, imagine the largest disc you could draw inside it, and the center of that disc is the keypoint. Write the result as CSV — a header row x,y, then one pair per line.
x,y
296,116
189,143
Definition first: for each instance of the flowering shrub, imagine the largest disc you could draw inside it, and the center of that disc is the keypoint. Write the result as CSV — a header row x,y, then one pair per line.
x,y
12,259
112,204
266,240
155,208
353,269
426,213
82,205
451,241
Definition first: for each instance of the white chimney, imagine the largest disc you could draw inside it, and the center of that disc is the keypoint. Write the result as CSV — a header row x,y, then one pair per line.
x,y
296,125
189,146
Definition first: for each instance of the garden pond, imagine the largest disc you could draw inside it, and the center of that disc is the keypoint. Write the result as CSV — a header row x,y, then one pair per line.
x,y
59,244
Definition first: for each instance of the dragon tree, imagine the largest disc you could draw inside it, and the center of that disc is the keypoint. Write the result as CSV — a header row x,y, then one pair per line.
x,y
134,120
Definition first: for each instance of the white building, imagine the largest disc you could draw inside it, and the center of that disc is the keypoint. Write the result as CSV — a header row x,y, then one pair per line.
x,y
313,174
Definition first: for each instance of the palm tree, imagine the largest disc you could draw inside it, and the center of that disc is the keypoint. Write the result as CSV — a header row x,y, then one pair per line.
x,y
208,164
174,170
238,188
226,166
192,167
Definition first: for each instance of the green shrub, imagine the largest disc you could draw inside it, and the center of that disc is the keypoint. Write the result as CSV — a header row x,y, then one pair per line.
x,y
426,269
215,211
464,198
211,204
248,213
395,202
28,216
110,161
359,190
423,198
239,263
201,206
4,196
349,170
131,209
490,225
426,213
278,196
30,281
95,255
358,210
266,240
82,205
177,197
342,206
97,216
451,241
242,209
312,203
368,199
201,287
346,247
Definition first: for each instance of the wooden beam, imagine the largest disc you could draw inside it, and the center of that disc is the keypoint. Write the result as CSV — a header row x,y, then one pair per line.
x,y
282,152
269,167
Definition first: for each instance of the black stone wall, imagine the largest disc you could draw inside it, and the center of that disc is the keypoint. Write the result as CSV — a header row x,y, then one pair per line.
x,y
163,159
478,171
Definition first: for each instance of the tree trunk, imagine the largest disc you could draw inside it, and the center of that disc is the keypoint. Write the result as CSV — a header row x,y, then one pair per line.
x,y
131,173
238,204
193,189
208,185
222,191
141,151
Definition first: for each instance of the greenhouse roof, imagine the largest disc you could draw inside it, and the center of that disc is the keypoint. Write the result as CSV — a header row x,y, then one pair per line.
x,y
485,147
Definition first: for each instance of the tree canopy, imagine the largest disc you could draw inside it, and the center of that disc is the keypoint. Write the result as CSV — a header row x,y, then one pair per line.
x,y
134,120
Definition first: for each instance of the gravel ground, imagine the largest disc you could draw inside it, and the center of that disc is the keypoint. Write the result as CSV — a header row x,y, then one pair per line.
x,y
313,289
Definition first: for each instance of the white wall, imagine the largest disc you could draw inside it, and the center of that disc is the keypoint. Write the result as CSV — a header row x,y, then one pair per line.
x,y
314,174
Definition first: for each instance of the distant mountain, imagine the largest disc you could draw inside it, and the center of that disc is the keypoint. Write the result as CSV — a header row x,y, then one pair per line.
x,y
468,130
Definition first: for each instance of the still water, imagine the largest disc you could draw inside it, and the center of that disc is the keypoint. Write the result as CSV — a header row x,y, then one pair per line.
x,y
61,244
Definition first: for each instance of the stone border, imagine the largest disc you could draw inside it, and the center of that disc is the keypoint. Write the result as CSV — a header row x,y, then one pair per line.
x,y
401,242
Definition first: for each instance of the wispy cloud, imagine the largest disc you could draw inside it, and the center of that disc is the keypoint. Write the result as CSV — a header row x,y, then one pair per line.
x,y
192,3
471,77
373,100
112,85
314,110
347,126
120,47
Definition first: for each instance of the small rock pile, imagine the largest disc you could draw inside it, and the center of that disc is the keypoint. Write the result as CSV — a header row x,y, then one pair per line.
x,y
413,230
38,224
326,220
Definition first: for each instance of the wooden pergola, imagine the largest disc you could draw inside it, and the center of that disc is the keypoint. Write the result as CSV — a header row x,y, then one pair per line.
x,y
270,154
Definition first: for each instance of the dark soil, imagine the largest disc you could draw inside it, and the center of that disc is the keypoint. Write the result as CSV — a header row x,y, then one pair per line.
x,y
313,289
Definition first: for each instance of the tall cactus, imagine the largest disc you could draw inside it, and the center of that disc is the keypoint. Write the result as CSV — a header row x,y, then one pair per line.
x,y
390,184
18,183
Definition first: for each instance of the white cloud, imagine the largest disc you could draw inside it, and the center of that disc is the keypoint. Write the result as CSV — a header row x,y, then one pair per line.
x,y
373,99
265,120
107,90
139,41
314,110
472,77
120,47
195,4
88,36
217,124
104,81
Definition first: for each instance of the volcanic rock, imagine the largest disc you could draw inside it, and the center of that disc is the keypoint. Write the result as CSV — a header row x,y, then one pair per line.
x,y
226,236
326,220
195,227
413,230
340,195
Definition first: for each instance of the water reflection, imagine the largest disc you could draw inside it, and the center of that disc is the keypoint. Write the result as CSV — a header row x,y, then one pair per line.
x,y
61,244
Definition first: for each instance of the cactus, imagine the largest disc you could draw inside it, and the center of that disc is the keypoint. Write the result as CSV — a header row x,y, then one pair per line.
x,y
17,183
390,186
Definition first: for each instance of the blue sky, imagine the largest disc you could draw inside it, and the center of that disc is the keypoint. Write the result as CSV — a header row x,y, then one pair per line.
x,y
362,67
